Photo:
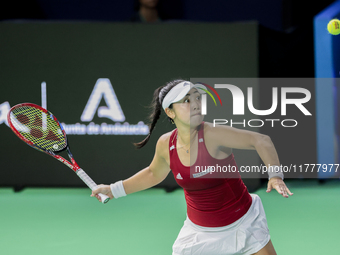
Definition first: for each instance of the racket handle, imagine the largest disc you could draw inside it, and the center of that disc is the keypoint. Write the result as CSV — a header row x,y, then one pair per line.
x,y
91,184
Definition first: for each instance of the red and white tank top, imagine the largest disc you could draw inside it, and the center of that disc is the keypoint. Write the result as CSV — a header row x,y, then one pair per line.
x,y
212,201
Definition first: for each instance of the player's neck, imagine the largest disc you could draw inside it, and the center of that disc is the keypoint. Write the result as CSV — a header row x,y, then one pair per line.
x,y
186,135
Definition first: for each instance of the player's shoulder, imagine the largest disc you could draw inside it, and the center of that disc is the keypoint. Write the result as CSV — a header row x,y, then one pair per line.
x,y
162,146
164,139
211,130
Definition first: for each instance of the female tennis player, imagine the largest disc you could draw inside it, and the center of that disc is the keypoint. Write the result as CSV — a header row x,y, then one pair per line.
x,y
222,217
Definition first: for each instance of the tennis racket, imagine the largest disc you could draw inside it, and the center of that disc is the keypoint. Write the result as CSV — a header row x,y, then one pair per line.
x,y
41,130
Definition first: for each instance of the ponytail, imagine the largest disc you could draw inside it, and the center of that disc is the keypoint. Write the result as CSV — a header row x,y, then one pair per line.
x,y
153,117
156,106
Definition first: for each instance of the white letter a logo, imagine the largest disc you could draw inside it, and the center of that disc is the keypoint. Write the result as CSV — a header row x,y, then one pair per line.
x,y
113,111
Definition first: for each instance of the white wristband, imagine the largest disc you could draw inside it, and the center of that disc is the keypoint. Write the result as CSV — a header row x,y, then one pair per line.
x,y
275,171
117,189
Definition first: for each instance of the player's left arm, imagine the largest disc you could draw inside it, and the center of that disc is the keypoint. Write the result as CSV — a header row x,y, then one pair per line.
x,y
226,136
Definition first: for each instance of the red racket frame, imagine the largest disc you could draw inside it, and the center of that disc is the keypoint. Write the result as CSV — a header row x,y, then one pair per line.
x,y
73,164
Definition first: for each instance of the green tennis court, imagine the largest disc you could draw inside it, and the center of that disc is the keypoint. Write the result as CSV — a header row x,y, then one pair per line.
x,y
67,221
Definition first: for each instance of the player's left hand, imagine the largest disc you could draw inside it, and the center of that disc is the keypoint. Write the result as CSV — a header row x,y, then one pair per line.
x,y
278,184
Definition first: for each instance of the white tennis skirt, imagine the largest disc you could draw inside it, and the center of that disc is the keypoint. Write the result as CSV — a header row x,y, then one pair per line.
x,y
246,236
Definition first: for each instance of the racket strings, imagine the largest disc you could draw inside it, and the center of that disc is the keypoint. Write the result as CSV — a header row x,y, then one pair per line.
x,y
38,127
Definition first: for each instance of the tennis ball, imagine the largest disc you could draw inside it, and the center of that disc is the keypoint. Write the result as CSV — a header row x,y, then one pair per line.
x,y
334,27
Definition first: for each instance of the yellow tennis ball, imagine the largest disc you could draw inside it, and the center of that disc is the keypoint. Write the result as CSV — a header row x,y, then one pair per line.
x,y
334,27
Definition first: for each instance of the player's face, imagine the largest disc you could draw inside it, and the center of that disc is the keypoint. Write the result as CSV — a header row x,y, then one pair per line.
x,y
188,110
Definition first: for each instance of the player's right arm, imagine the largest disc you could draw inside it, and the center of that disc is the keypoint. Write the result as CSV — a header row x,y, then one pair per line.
x,y
152,175
148,177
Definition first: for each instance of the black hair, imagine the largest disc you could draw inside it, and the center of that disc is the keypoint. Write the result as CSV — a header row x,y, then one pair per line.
x,y
156,108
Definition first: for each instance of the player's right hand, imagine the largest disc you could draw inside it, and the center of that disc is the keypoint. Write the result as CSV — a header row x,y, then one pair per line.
x,y
104,189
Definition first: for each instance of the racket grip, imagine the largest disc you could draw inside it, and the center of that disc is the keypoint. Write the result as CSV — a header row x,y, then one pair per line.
x,y
91,184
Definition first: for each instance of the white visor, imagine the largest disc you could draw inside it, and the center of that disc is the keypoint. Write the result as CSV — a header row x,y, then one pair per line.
x,y
179,91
